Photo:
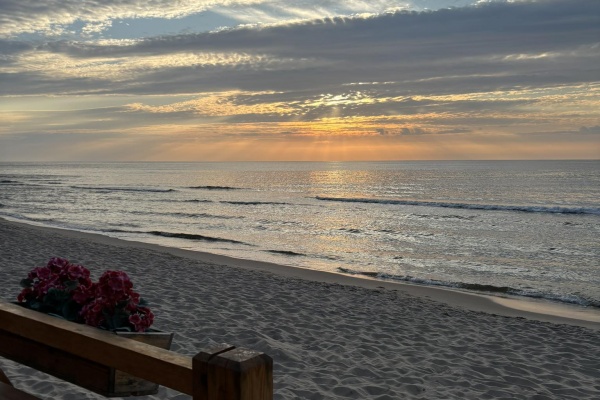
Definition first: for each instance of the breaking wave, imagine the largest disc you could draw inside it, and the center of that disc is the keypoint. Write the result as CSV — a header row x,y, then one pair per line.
x,y
469,206
285,252
252,203
190,236
210,187
124,189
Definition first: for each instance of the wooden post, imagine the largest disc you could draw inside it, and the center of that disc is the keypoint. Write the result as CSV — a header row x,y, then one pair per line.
x,y
4,379
200,369
225,373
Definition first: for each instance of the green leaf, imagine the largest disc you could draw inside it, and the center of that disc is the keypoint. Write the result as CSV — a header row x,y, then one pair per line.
x,y
35,305
70,310
25,283
71,285
54,300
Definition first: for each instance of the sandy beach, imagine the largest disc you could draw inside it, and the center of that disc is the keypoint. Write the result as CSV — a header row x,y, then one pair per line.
x,y
331,336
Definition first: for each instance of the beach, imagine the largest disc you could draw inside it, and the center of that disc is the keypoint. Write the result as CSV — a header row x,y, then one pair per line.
x,y
331,336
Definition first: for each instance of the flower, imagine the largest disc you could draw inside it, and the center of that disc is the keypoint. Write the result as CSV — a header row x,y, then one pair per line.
x,y
114,304
50,288
66,290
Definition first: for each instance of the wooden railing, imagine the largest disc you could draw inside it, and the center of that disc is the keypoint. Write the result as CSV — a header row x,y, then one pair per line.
x,y
82,354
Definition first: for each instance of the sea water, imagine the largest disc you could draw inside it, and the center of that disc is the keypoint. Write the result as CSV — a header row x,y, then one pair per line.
x,y
523,228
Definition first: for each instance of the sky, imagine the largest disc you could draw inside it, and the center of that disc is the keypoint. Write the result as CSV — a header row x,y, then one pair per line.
x,y
305,80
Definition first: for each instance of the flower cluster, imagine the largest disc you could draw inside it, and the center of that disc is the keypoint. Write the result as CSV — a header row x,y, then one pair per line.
x,y
50,288
66,290
112,303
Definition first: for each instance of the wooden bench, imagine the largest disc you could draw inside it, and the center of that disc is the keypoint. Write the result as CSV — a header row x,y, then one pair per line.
x,y
79,354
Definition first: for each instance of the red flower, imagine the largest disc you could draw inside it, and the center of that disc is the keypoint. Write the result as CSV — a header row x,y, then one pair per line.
x,y
55,275
111,303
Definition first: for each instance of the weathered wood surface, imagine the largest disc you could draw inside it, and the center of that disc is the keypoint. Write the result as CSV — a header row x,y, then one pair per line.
x,y
121,383
80,353
201,366
148,362
240,374
62,364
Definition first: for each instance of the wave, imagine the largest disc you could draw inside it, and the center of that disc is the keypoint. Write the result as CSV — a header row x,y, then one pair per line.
x,y
350,230
9,181
176,235
468,206
196,201
124,189
422,216
252,203
50,221
184,215
201,215
490,289
190,236
114,230
210,187
285,252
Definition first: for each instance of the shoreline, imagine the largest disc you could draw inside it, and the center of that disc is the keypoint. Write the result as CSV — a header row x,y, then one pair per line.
x,y
515,307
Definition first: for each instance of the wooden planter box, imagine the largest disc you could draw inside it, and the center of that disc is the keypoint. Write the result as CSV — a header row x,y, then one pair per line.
x,y
95,377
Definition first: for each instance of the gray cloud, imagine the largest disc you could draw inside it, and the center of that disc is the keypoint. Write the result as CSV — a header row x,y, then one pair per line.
x,y
389,69
590,129
484,48
51,17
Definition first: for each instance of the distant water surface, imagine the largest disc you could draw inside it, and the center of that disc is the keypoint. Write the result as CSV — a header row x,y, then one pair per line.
x,y
526,228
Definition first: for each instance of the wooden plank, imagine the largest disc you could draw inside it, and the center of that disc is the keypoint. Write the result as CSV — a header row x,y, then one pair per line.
x,y
125,384
61,364
8,392
240,374
154,364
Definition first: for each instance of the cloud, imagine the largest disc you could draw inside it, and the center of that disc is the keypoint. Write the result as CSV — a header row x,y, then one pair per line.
x,y
51,17
462,50
496,68
590,129
74,17
417,131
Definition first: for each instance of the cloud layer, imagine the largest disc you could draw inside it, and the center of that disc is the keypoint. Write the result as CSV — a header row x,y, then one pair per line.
x,y
504,68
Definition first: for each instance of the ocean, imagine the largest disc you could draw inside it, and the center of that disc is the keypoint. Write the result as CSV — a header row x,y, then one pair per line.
x,y
509,228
